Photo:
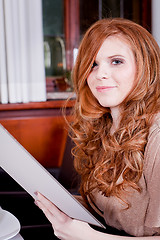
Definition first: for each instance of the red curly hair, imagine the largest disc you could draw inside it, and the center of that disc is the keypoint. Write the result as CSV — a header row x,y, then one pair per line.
x,y
99,157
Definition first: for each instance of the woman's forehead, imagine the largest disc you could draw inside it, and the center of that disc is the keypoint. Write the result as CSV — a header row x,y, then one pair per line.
x,y
115,45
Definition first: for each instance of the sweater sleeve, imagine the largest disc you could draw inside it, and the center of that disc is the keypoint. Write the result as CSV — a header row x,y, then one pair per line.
x,y
152,176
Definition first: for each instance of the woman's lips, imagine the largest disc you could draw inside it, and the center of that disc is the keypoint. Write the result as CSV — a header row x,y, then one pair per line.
x,y
104,88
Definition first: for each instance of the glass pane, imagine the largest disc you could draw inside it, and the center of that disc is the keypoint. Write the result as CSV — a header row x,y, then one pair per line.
x,y
111,8
88,14
53,18
53,28
91,11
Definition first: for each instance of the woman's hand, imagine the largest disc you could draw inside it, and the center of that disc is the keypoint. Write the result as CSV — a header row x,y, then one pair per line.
x,y
65,228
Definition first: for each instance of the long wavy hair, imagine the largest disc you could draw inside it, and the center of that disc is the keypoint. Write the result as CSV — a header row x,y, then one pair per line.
x,y
100,158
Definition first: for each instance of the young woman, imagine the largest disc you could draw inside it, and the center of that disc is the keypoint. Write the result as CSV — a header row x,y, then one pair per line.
x,y
116,129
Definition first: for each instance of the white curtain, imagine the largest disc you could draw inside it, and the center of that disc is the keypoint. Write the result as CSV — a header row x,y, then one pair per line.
x,y
22,72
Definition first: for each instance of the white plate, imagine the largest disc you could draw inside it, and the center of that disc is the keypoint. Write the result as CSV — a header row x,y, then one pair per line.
x,y
9,225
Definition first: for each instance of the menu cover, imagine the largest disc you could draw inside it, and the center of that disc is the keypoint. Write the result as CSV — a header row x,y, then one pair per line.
x,y
33,177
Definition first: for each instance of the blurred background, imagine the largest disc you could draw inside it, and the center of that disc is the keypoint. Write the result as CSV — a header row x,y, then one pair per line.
x,y
65,22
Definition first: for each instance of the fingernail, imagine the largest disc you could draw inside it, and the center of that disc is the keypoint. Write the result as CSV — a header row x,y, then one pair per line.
x,y
36,203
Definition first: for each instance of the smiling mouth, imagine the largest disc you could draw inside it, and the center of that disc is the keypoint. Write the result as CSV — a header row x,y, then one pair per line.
x,y
104,88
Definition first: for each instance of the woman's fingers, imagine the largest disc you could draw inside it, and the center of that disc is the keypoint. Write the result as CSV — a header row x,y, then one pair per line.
x,y
45,210
64,227
47,204
49,209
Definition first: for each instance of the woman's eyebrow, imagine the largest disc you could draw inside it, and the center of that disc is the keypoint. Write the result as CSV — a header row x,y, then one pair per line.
x,y
116,55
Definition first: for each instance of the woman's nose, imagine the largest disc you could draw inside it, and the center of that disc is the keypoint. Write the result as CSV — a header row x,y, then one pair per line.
x,y
103,72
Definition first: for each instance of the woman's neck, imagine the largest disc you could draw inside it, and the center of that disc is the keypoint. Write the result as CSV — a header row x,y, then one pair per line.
x,y
116,116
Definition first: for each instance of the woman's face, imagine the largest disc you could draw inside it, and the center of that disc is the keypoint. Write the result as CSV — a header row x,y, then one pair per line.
x,y
113,73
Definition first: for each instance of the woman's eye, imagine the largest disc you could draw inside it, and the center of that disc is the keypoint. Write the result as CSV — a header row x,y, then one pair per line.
x,y
94,65
117,61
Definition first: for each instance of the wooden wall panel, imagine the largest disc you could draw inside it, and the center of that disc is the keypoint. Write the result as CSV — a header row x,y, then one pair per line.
x,y
40,128
43,137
